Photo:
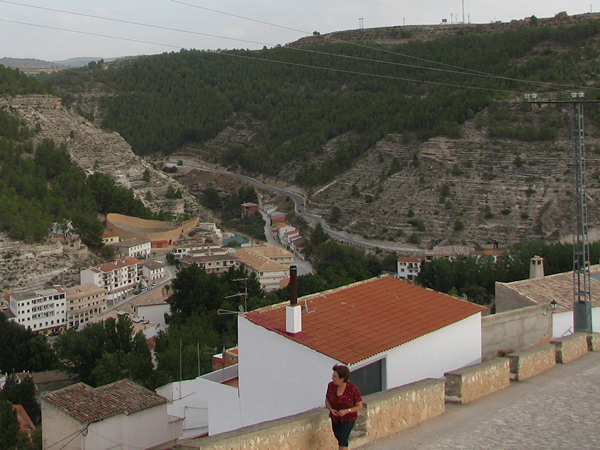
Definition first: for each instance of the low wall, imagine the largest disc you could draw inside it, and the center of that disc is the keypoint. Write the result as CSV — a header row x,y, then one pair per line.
x,y
593,340
514,330
570,347
472,382
531,362
385,413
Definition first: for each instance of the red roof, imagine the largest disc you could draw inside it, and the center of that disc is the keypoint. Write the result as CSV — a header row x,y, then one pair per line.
x,y
87,404
25,423
355,322
409,259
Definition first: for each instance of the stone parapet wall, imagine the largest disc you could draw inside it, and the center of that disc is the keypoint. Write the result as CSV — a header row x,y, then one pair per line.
x,y
472,382
386,413
531,362
570,347
404,407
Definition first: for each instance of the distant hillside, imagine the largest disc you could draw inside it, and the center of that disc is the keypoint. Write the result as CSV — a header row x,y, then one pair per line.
x,y
82,61
406,148
31,66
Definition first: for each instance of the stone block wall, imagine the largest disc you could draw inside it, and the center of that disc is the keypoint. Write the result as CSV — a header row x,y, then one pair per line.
x,y
531,362
570,347
385,413
470,383
404,407
593,340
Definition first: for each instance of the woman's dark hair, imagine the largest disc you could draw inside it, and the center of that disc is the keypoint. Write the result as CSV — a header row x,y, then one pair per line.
x,y
343,372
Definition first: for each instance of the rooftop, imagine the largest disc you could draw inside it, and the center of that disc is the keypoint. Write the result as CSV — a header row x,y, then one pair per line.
x,y
557,287
86,404
258,262
376,315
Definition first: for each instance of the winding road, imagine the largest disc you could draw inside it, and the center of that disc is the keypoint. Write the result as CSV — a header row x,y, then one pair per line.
x,y
300,208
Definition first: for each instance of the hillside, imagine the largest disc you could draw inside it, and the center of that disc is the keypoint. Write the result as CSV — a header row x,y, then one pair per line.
x,y
417,152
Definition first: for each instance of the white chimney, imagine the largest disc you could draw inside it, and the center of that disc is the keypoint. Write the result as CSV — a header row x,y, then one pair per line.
x,y
536,267
293,311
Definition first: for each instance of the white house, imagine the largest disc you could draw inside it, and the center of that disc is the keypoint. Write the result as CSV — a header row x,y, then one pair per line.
x,y
134,247
151,306
409,267
153,270
118,278
84,302
543,290
389,332
117,415
43,310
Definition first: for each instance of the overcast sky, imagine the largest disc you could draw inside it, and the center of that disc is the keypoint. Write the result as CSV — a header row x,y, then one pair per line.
x,y
192,24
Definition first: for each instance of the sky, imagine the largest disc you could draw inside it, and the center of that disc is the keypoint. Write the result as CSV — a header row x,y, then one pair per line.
x,y
48,29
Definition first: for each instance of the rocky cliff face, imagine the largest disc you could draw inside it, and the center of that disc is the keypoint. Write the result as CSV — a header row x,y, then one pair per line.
x,y
24,266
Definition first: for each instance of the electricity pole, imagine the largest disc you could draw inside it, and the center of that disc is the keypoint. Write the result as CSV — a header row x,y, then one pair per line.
x,y
582,296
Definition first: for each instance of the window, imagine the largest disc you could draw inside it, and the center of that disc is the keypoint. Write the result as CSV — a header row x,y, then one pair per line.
x,y
369,379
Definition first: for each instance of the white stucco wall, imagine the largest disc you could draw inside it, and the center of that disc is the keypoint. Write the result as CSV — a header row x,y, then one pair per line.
x,y
432,355
154,313
185,401
562,323
278,377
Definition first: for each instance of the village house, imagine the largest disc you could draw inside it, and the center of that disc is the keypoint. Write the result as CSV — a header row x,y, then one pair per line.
x,y
271,275
389,332
197,249
118,278
276,254
553,291
409,267
212,263
153,270
84,302
249,209
134,247
42,310
109,238
117,415
152,306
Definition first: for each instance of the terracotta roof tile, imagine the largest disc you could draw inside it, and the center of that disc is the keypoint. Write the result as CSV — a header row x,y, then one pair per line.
x,y
372,316
87,404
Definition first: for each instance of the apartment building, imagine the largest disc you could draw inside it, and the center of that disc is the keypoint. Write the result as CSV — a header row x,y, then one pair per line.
x,y
84,302
43,310
118,278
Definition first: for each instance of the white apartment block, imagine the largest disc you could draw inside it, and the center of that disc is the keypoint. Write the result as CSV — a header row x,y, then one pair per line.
x,y
198,249
409,267
43,311
118,278
84,302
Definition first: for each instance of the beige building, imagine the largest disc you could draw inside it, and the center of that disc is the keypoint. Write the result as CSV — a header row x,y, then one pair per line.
x,y
276,254
212,263
117,415
84,302
271,274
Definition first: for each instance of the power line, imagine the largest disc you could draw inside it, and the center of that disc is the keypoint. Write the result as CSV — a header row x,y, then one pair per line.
x,y
241,17
459,71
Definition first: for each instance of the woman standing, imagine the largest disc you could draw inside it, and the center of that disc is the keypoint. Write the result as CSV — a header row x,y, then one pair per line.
x,y
343,401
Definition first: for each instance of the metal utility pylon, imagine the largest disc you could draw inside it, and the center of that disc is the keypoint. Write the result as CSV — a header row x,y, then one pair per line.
x,y
582,296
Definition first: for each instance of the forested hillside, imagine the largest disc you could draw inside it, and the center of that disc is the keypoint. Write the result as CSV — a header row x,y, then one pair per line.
x,y
307,95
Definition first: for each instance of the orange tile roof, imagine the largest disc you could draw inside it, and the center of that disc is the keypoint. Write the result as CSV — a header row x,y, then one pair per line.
x,y
25,423
87,404
409,259
355,322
